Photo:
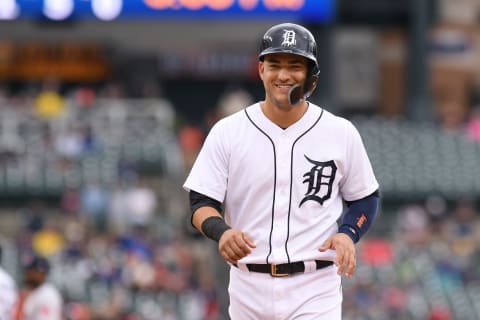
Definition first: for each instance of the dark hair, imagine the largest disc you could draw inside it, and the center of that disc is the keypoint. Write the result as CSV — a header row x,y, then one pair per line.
x,y
37,263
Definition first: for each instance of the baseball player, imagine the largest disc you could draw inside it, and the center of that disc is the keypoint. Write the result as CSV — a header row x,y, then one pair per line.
x,y
280,171
41,300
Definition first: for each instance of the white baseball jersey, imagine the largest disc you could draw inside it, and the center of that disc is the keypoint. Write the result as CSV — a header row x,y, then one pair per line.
x,y
8,295
283,187
44,303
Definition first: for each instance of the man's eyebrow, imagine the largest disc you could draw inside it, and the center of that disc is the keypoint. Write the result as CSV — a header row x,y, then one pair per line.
x,y
290,61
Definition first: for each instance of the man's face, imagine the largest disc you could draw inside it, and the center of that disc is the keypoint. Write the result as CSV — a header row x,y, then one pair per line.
x,y
279,72
34,278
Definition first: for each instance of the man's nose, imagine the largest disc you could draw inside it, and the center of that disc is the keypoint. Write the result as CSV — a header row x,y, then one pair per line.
x,y
283,74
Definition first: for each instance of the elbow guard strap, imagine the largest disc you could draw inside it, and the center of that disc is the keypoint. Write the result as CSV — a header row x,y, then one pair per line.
x,y
214,228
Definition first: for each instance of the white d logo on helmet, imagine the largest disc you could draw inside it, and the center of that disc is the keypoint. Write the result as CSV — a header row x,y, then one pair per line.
x,y
289,38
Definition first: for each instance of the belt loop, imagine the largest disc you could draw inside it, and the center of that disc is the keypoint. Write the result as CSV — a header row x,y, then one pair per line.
x,y
243,267
310,266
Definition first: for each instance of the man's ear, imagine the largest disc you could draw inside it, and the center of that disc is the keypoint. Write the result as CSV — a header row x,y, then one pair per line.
x,y
260,69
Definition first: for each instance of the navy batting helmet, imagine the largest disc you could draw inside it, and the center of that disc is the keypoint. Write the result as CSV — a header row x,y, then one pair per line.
x,y
295,39
290,38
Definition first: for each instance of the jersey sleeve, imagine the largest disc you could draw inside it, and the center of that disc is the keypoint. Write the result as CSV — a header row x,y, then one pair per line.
x,y
360,179
209,173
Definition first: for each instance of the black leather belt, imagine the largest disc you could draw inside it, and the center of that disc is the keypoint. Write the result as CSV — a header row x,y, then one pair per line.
x,y
285,269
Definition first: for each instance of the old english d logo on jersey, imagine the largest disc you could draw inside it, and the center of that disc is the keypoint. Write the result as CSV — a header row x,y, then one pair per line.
x,y
289,38
319,181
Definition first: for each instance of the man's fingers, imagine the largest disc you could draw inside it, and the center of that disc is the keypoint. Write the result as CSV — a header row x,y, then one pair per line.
x,y
235,246
346,262
345,253
231,254
248,241
351,266
339,261
240,248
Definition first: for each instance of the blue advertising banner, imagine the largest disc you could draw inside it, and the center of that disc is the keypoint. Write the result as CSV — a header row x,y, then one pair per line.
x,y
320,11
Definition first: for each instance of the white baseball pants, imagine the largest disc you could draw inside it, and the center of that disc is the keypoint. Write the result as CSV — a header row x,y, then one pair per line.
x,y
314,295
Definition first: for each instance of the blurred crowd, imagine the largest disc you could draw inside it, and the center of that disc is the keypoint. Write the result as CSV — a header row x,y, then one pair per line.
x,y
424,265
123,248
118,248
145,272
91,174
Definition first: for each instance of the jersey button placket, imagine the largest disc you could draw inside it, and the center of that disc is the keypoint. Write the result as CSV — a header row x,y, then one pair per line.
x,y
282,200
284,164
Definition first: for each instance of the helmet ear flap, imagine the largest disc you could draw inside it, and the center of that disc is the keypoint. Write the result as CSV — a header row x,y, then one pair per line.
x,y
313,69
310,85
300,93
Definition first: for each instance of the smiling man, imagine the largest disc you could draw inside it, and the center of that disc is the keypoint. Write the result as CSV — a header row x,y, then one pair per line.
x,y
270,184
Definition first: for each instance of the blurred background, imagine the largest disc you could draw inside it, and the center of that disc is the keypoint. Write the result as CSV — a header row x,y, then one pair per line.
x,y
104,105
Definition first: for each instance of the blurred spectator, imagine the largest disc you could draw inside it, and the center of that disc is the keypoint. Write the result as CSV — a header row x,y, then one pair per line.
x,y
233,100
77,311
94,201
413,223
70,202
114,108
75,235
158,105
49,103
90,143
117,209
84,97
47,241
377,252
451,116
34,215
190,138
140,203
440,313
39,299
69,146
437,209
462,228
8,292
473,125
3,96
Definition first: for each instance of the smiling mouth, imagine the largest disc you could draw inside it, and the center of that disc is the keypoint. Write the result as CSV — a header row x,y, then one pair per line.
x,y
284,87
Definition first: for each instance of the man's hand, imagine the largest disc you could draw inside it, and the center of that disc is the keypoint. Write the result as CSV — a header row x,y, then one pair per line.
x,y
234,245
345,248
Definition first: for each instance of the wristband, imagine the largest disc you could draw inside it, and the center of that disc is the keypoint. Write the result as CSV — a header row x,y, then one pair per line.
x,y
349,231
214,227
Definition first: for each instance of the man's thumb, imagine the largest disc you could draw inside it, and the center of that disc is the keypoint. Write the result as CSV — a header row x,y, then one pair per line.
x,y
326,245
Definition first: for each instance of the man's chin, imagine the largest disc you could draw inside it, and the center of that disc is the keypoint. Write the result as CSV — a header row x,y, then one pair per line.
x,y
283,102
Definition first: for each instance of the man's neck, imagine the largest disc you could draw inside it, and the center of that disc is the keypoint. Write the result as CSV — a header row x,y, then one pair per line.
x,y
284,117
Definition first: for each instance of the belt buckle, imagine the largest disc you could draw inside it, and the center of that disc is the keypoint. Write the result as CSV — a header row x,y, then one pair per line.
x,y
273,272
